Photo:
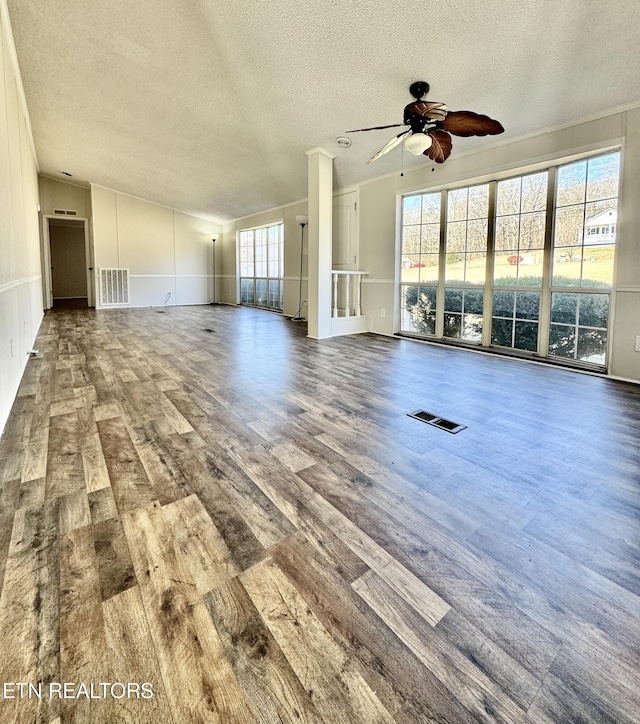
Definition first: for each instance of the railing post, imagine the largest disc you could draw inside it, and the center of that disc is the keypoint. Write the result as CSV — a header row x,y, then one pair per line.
x,y
347,310
335,295
358,292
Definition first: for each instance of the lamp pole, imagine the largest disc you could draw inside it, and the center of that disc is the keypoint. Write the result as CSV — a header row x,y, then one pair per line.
x,y
213,240
303,221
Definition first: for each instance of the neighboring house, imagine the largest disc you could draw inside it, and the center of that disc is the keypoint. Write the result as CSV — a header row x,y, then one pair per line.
x,y
601,229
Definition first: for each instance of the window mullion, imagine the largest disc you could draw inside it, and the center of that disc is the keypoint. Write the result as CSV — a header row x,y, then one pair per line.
x,y
442,260
547,261
488,282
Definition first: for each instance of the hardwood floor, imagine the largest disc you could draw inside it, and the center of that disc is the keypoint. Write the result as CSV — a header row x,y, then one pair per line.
x,y
248,521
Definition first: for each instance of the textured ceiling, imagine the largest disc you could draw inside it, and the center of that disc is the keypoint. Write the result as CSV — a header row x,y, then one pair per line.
x,y
209,106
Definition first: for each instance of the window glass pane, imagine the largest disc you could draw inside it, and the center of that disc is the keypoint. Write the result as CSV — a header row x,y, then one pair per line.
x,y
507,232
571,181
430,238
457,204
274,293
526,336
431,208
501,332
475,268
503,304
410,268
569,226
528,305
532,231
508,198
472,327
411,209
411,239
428,268
453,300
602,177
246,261
534,192
562,341
597,266
477,235
594,310
505,268
479,202
246,291
456,236
567,266
473,301
261,292
592,346
455,267
529,266
419,309
564,307
452,325
261,260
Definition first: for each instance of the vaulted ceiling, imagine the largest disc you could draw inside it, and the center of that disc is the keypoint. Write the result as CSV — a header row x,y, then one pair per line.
x,y
209,105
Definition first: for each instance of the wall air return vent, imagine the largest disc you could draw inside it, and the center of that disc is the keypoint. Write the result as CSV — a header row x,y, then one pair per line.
x,y
114,287
65,212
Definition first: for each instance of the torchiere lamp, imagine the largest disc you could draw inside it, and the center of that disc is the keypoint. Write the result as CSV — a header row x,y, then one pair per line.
x,y
303,221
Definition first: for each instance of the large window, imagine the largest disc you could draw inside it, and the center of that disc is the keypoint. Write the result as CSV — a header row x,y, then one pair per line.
x,y
261,253
510,265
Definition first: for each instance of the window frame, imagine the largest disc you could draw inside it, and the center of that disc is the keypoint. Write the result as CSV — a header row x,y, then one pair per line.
x,y
546,289
254,280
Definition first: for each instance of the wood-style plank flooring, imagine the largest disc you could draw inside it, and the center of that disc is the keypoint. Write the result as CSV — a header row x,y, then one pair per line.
x,y
205,501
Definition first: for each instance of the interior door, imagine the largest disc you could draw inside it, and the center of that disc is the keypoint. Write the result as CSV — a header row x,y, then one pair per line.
x,y
345,231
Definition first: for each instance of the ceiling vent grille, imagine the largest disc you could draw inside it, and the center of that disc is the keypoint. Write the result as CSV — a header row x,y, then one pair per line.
x,y
114,287
65,212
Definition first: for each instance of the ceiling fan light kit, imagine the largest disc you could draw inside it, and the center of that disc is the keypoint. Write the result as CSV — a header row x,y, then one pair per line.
x,y
417,143
431,125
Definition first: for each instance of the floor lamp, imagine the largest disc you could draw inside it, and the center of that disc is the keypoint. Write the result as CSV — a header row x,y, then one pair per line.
x,y
303,221
214,238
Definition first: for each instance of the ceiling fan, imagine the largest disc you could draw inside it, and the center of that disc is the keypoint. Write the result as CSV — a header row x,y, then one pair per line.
x,y
431,125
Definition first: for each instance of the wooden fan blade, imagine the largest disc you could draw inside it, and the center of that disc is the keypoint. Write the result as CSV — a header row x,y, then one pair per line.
x,y
392,144
441,145
377,128
468,123
430,110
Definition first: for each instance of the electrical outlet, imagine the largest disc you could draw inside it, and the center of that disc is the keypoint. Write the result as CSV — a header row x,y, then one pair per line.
x,y
383,312
638,343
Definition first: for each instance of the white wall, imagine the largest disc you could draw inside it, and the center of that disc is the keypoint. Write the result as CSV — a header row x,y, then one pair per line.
x,y
20,273
57,194
164,249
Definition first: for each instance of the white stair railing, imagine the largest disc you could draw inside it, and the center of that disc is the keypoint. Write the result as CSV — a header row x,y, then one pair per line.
x,y
343,290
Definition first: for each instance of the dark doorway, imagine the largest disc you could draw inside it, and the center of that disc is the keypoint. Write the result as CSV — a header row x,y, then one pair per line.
x,y
68,263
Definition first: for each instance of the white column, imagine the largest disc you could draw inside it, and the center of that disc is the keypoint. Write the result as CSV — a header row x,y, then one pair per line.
x,y
358,294
335,295
320,244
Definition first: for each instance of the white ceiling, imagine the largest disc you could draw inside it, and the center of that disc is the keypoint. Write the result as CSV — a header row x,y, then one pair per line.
x,y
209,105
